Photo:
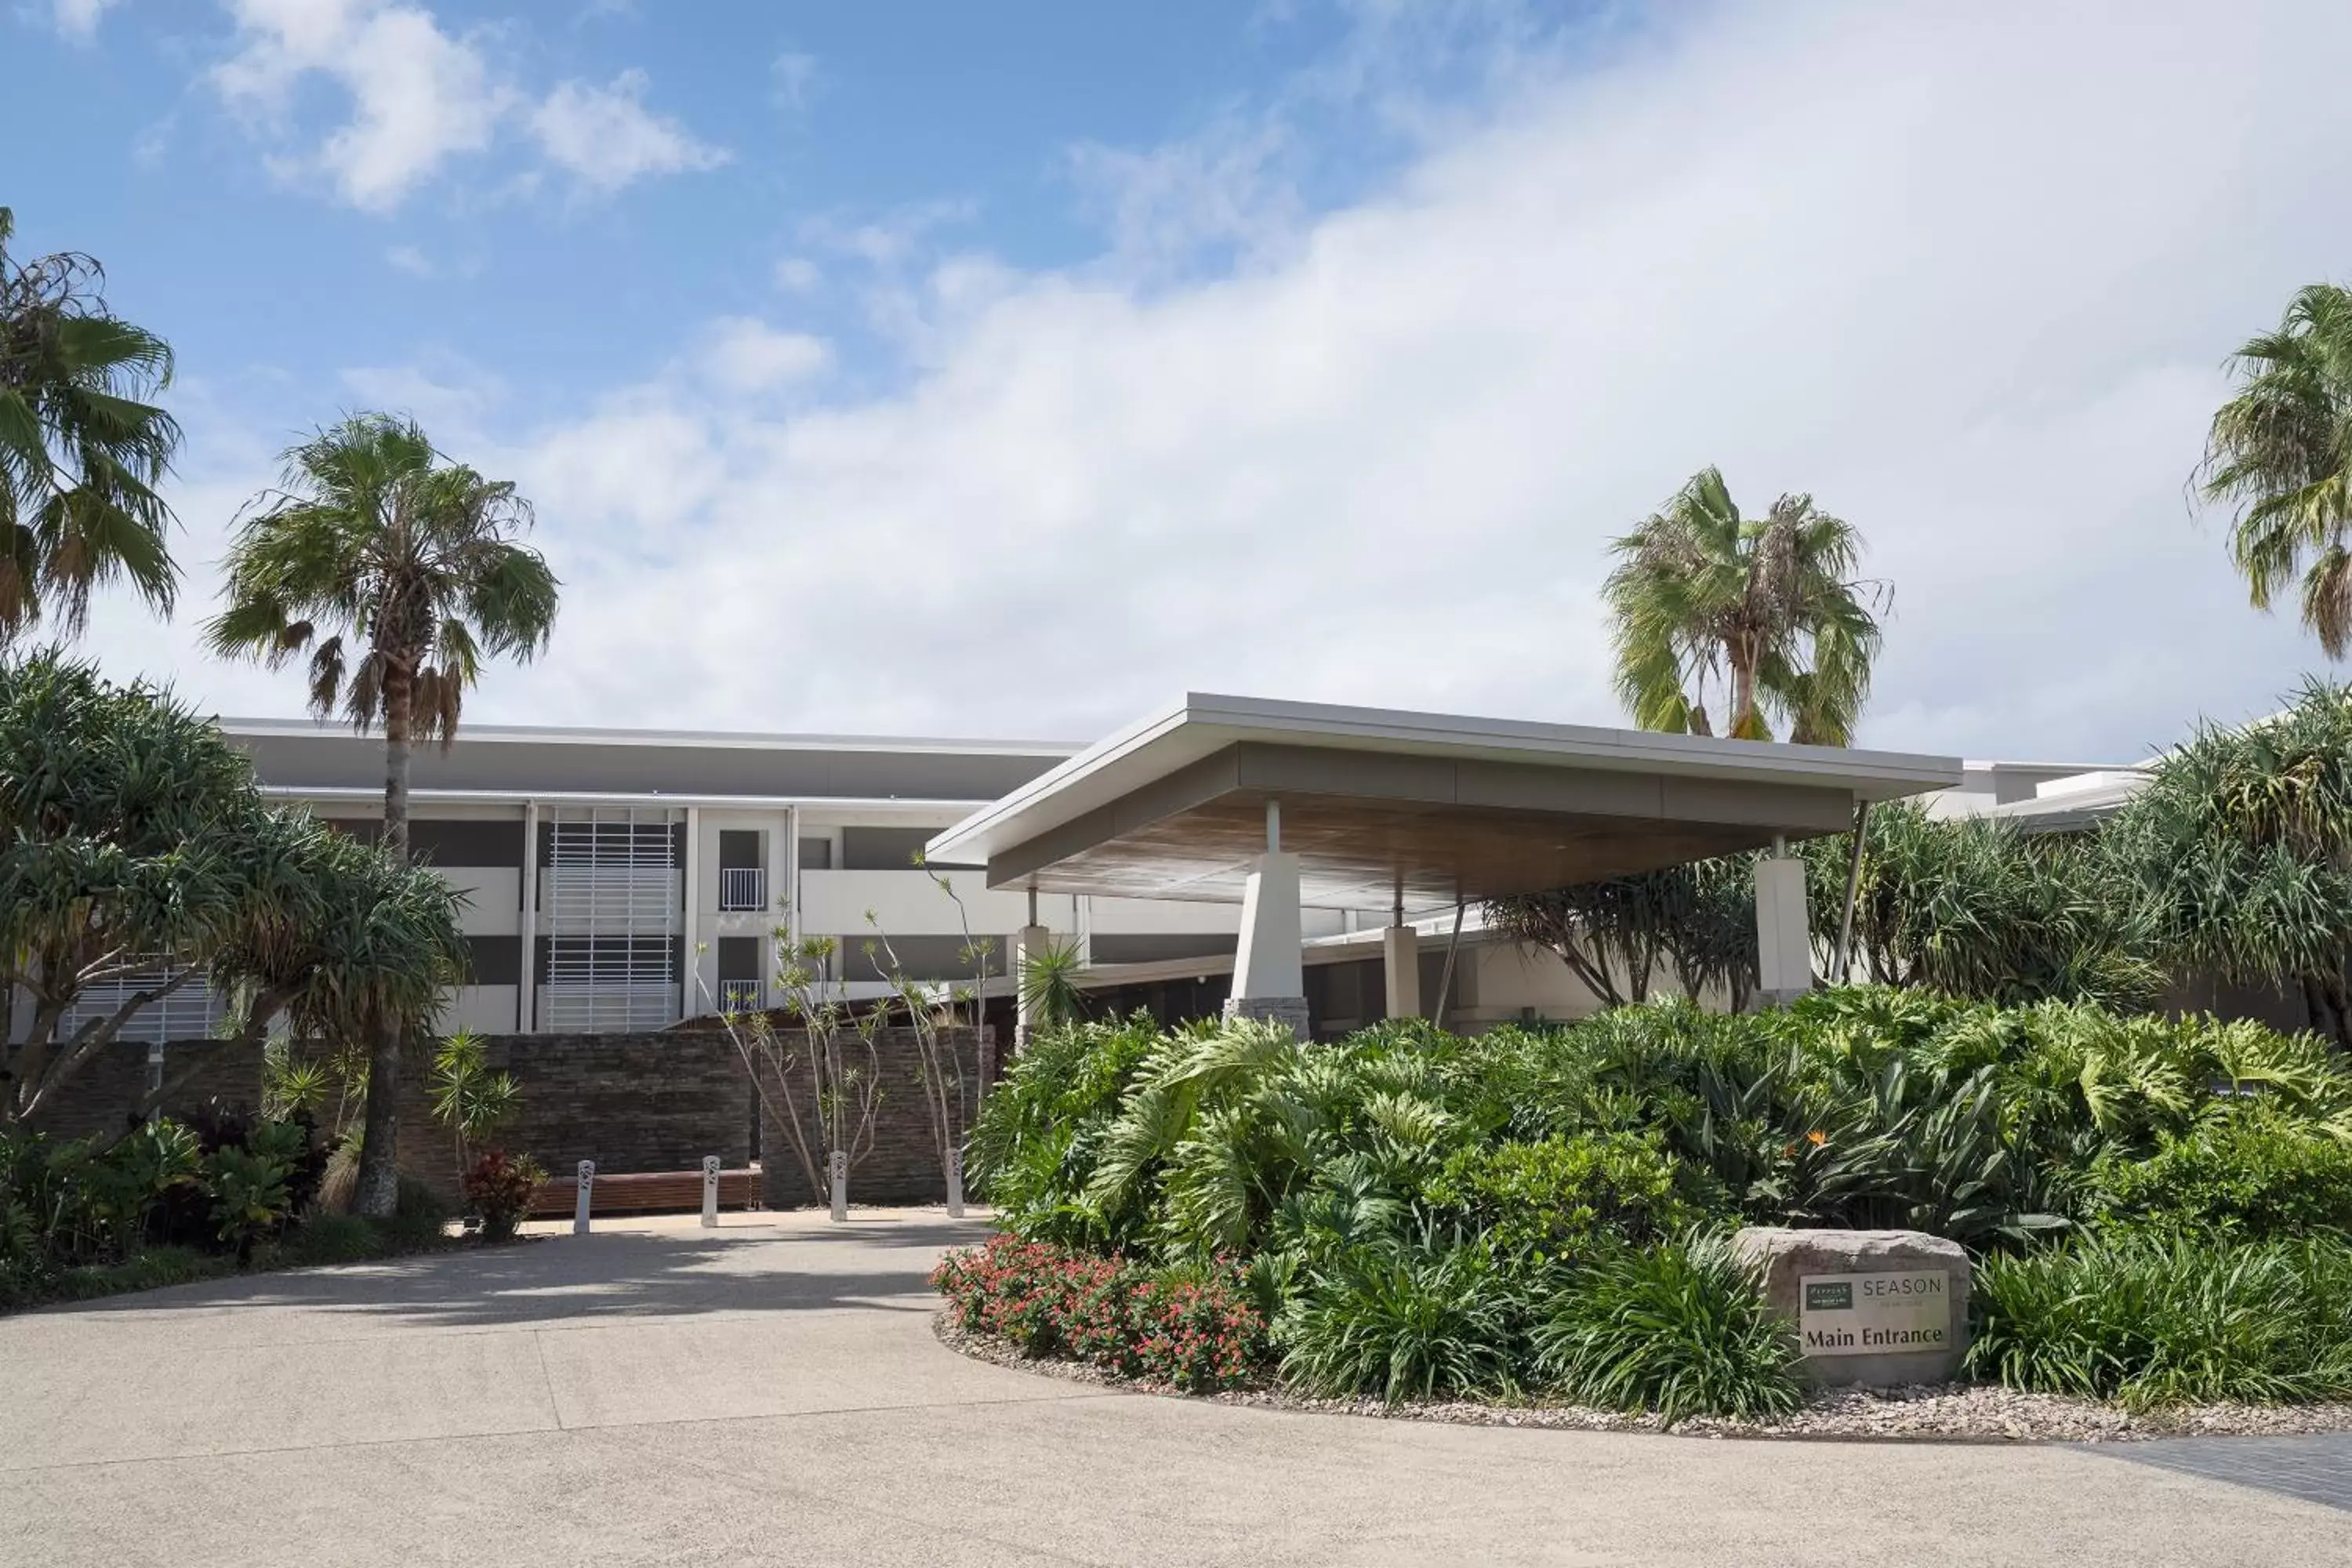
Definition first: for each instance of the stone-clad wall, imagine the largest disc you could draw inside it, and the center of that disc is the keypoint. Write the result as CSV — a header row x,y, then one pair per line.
x,y
652,1102
104,1097
904,1165
630,1102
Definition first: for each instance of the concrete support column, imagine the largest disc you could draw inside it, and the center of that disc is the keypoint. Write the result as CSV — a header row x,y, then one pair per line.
x,y
1028,942
1269,980
1784,947
690,993
1401,959
525,1019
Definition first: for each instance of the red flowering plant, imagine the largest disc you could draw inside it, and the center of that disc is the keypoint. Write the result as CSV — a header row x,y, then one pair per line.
x,y
499,1189
1198,1330
1199,1334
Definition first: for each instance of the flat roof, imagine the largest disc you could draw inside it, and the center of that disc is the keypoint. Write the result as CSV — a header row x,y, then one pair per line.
x,y
582,735
1446,805
303,756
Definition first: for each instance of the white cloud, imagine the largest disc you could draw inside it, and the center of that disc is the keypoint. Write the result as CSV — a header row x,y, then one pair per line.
x,y
797,275
744,355
418,96
1966,275
1222,190
794,75
607,138
408,258
79,19
452,399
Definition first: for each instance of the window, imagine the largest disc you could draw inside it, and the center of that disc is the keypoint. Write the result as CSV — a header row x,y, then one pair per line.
x,y
609,894
739,989
742,883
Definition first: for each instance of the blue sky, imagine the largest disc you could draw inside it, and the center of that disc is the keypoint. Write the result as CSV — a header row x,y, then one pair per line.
x,y
810,137
1005,369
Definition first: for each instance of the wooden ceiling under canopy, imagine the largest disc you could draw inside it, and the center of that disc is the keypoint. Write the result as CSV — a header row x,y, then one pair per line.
x,y
1175,807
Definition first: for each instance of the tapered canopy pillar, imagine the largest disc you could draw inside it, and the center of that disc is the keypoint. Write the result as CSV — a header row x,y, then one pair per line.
x,y
1784,945
1269,977
1401,959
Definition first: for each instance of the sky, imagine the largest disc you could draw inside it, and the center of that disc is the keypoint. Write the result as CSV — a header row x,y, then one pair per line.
x,y
930,368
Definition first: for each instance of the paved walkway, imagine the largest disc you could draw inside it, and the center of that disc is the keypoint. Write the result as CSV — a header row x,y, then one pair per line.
x,y
773,1393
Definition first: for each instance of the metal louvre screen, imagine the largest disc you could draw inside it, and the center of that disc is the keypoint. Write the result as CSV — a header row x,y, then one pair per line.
x,y
191,1013
610,893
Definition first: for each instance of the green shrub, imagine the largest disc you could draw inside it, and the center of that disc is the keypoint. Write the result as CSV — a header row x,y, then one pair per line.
x,y
1561,1197
2148,1320
323,1238
420,1216
500,1190
2250,1175
1065,1080
1403,1326
248,1188
151,1269
1677,1329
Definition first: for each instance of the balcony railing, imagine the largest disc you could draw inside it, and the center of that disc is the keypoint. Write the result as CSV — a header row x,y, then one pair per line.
x,y
741,996
742,888
594,1008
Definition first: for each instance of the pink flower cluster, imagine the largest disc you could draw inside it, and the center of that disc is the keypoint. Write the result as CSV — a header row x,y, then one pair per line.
x,y
1198,1334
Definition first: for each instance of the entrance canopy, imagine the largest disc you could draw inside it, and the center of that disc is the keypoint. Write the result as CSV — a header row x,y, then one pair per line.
x,y
1371,800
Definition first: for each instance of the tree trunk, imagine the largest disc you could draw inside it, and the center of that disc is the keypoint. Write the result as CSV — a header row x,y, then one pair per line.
x,y
379,1173
1743,692
2326,1002
399,690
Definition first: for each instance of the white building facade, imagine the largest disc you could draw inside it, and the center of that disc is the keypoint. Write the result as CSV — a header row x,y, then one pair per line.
x,y
625,879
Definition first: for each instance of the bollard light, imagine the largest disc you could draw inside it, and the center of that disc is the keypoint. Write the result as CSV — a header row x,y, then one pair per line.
x,y
580,1203
711,1192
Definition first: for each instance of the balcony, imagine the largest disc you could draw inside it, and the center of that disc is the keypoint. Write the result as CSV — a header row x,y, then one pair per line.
x,y
742,888
741,996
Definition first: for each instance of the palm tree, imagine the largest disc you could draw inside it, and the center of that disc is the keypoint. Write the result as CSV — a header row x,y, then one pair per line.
x,y
2281,453
413,570
80,452
1771,609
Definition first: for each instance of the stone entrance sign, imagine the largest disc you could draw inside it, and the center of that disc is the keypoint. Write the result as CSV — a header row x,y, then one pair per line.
x,y
1870,1314
1873,1306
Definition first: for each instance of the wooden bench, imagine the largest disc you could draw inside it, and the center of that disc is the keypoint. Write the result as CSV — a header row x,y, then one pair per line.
x,y
645,1191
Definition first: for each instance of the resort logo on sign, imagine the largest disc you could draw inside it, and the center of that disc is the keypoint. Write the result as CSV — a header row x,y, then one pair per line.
x,y
1874,1314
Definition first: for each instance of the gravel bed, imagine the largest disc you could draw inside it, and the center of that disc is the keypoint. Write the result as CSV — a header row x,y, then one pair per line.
x,y
1944,1413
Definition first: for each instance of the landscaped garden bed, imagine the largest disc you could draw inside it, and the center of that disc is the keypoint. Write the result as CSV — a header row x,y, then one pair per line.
x,y
173,1203
1531,1228
1951,1413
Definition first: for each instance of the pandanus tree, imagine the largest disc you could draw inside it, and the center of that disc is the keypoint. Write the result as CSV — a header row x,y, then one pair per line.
x,y
137,856
2280,454
2243,839
82,451
397,573
1769,612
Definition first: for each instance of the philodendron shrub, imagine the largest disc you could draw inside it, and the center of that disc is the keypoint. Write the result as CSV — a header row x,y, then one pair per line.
x,y
1537,1212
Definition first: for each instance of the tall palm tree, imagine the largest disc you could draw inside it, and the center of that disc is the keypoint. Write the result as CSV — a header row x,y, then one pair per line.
x,y
81,451
413,570
2281,453
1769,609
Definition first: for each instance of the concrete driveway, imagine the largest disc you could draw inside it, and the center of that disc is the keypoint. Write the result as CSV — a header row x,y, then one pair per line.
x,y
773,1393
